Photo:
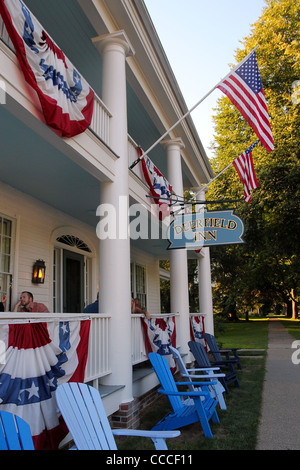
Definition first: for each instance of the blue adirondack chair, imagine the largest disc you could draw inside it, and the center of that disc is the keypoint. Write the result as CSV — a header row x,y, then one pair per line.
x,y
84,414
217,353
14,433
189,375
202,360
200,406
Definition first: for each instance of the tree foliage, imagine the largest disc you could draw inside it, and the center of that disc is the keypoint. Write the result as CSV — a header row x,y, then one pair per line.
x,y
265,270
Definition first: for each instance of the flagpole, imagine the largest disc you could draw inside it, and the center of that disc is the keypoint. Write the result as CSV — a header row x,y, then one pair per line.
x,y
228,166
190,110
208,184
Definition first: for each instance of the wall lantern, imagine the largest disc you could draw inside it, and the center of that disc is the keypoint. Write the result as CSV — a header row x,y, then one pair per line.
x,y
38,272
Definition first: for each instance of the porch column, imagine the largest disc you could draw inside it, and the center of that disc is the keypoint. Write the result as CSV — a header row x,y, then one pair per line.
x,y
178,258
205,289
114,288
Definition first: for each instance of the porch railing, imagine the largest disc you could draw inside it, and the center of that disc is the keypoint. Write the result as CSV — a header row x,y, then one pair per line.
x,y
101,115
98,351
98,356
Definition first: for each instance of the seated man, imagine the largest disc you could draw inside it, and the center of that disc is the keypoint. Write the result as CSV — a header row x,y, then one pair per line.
x,y
26,304
136,308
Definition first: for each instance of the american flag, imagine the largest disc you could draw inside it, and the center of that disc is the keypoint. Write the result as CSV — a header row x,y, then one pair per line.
x,y
244,88
244,166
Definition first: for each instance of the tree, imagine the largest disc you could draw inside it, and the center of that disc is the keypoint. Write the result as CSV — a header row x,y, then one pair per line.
x,y
266,268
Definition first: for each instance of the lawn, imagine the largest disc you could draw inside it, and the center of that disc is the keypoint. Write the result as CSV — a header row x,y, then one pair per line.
x,y
252,334
292,327
238,425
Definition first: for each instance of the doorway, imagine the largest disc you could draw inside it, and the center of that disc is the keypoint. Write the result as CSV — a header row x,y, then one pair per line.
x,y
73,282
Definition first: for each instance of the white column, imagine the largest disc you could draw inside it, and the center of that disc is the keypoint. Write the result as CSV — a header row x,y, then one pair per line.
x,y
114,289
205,289
178,258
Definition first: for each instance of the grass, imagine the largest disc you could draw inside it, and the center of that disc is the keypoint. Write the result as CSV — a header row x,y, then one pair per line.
x,y
292,327
238,425
252,334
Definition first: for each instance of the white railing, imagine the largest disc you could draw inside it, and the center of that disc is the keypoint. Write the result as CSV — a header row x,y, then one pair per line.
x,y
4,35
98,354
138,350
100,120
101,115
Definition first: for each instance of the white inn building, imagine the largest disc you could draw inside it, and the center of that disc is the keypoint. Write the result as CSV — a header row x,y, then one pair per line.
x,y
55,189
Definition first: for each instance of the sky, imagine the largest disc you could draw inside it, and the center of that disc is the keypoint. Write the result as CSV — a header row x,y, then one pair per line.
x,y
200,38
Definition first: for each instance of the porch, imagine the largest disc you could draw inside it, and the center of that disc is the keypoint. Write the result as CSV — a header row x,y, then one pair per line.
x,y
98,365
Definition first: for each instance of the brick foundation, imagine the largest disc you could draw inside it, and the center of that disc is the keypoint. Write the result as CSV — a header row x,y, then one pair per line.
x,y
128,415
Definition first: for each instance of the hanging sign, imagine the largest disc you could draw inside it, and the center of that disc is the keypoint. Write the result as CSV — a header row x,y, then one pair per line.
x,y
205,228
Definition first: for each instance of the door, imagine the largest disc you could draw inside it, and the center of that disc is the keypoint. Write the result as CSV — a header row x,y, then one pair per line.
x,y
73,282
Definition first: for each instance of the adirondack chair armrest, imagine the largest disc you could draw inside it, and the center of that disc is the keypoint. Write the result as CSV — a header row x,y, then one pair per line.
x,y
203,376
193,394
204,369
224,362
141,433
229,349
226,352
198,383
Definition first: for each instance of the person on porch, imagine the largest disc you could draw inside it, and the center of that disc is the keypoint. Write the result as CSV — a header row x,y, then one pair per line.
x,y
26,304
137,308
2,303
94,307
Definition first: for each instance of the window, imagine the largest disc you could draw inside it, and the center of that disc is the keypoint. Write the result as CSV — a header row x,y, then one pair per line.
x,y
6,263
75,242
138,283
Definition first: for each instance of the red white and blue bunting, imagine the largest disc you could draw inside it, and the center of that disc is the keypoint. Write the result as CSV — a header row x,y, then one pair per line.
x,y
35,359
197,329
66,98
159,334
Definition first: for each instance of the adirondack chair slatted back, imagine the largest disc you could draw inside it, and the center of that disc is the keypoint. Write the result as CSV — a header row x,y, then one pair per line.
x,y
212,344
14,433
230,353
181,366
84,413
164,374
199,354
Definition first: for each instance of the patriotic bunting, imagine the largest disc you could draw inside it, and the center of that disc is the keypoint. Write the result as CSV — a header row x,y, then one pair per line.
x,y
35,359
66,98
159,334
197,329
160,188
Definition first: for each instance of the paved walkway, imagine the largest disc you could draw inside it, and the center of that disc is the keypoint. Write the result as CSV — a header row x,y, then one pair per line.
x,y
280,421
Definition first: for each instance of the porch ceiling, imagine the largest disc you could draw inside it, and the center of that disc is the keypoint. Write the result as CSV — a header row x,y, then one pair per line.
x,y
74,22
33,166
